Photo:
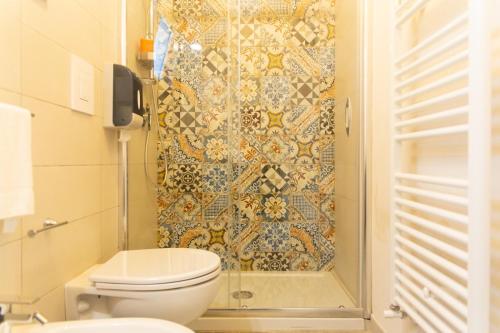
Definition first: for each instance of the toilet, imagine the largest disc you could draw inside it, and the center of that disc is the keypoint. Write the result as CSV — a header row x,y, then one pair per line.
x,y
171,284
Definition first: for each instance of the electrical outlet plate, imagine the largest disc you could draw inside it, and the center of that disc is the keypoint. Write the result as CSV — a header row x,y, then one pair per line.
x,y
82,86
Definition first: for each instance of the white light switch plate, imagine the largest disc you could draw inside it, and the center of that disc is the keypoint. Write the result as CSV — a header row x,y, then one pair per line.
x,y
82,86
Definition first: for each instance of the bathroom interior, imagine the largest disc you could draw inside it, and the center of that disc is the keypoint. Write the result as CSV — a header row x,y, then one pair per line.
x,y
249,166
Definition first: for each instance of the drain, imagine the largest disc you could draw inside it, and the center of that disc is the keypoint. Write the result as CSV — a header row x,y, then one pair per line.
x,y
242,294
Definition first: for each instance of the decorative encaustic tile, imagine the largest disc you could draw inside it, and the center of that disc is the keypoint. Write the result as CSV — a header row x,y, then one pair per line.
x,y
216,149
302,61
275,178
276,207
250,208
271,261
184,149
305,33
184,177
215,62
186,119
305,178
327,87
305,90
328,231
249,90
182,207
188,65
215,8
302,261
187,7
249,31
215,119
327,208
327,178
327,149
272,60
278,149
304,207
306,149
275,30
274,237
185,28
326,254
216,210
249,133
246,236
214,31
186,235
327,61
277,7
246,149
302,119
250,119
215,92
215,178
246,178
327,117
250,62
303,237
311,238
275,91
250,8
272,122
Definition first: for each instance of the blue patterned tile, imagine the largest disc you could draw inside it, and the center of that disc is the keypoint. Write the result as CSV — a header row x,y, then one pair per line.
x,y
304,207
215,178
274,237
215,207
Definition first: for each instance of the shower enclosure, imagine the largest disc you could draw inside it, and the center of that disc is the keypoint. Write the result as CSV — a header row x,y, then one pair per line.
x,y
259,152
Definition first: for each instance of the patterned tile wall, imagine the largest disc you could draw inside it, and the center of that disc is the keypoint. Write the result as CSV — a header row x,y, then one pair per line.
x,y
247,111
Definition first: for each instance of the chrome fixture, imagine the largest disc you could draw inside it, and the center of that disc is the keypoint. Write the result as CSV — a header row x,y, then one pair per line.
x,y
47,225
348,115
6,314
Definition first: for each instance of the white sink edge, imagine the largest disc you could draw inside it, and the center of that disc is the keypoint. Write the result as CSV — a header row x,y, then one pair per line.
x,y
115,325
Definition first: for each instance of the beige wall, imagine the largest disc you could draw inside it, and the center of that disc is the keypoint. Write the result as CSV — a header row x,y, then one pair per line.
x,y
75,158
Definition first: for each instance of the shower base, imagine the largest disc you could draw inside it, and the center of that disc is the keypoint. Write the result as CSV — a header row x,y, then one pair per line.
x,y
281,301
282,290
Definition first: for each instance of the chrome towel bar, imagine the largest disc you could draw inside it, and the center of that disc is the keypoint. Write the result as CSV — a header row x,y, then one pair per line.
x,y
47,225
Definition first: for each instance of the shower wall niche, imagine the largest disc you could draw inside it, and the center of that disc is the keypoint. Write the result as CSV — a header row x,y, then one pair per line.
x,y
247,109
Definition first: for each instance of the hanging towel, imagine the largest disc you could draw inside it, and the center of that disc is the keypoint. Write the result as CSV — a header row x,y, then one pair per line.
x,y
16,176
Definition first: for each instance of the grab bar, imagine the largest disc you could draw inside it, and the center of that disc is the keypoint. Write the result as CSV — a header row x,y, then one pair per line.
x,y
47,225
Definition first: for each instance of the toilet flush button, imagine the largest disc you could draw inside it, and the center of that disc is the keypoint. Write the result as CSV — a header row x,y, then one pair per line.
x,y
82,86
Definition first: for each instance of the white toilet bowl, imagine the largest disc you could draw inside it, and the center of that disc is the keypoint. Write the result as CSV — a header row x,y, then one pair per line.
x,y
171,284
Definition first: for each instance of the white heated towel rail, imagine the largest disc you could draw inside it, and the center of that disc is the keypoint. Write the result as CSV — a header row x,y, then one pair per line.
x,y
440,223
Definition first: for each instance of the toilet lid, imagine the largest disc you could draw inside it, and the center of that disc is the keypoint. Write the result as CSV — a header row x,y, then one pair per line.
x,y
160,286
156,266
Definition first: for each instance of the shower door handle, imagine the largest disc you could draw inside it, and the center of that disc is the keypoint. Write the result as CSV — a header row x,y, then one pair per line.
x,y
348,116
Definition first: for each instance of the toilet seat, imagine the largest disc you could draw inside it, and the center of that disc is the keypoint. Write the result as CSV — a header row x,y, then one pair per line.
x,y
159,286
156,269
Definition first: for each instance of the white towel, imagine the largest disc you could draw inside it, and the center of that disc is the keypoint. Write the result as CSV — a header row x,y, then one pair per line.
x,y
16,175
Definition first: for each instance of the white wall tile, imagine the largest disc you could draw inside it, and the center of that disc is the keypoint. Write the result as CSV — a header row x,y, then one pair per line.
x,y
68,24
46,70
10,59
65,193
55,256
10,276
109,233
